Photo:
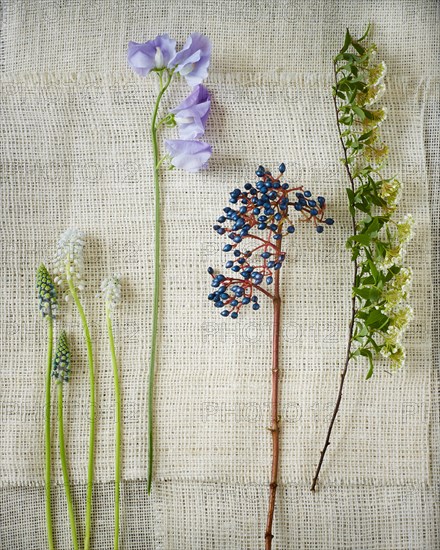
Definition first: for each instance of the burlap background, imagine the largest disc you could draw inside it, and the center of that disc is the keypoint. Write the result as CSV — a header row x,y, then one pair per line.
x,y
75,151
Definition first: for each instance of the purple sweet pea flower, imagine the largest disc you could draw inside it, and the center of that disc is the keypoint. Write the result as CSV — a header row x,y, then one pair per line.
x,y
192,113
192,61
154,54
190,155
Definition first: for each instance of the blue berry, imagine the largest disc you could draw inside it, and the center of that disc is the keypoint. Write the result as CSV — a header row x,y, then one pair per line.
x,y
329,221
282,168
313,212
319,229
269,280
307,194
234,315
225,313
210,270
256,307
227,247
291,229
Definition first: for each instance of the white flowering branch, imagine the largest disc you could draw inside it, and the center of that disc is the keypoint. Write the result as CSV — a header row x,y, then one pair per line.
x,y
379,312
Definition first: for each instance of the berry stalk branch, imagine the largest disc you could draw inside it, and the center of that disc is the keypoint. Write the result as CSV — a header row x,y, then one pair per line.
x,y
263,207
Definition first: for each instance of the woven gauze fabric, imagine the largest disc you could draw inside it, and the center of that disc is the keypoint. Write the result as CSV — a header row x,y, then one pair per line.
x,y
75,151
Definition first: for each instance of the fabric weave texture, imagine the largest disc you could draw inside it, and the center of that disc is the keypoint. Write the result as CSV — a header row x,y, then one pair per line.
x,y
75,152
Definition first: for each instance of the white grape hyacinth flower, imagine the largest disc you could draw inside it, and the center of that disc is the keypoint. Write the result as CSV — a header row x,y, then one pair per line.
x,y
68,264
111,291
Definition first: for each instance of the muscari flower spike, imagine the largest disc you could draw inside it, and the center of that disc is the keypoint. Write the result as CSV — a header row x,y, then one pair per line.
x,y
61,362
264,207
68,262
47,294
111,291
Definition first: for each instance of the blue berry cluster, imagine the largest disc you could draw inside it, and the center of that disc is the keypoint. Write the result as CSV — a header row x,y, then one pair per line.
x,y
261,207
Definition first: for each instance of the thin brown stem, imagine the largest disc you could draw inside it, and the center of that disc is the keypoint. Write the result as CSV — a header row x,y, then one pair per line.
x,y
275,427
353,306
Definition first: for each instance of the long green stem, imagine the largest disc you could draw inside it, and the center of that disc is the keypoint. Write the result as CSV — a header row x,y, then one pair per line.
x,y
92,412
154,324
118,426
64,467
47,432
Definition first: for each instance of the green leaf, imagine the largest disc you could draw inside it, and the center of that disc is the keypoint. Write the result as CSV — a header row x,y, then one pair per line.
x,y
350,194
347,42
361,239
365,136
376,319
368,293
346,120
364,36
358,48
358,111
371,370
374,226
368,114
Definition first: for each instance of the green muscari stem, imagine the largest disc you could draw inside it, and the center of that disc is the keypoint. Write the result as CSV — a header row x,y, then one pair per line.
x,y
64,467
154,324
47,304
47,432
92,410
118,426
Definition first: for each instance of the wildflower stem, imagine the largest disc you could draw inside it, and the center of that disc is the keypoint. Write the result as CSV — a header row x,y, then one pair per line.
x,y
353,306
118,426
156,289
92,410
47,432
64,468
275,428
